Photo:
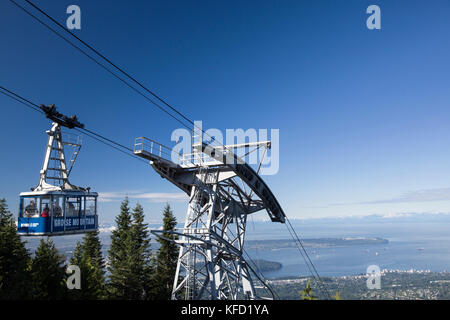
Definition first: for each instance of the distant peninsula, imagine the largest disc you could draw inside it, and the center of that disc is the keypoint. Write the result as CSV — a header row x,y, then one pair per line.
x,y
313,243
267,266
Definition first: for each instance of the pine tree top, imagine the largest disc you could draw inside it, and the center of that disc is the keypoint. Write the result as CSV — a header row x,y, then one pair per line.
x,y
169,220
14,259
6,217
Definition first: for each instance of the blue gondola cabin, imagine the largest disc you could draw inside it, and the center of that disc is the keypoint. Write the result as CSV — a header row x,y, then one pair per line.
x,y
55,206
57,212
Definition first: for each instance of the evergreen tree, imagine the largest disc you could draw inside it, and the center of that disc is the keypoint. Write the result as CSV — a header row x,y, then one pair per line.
x,y
88,257
48,272
140,256
167,257
14,259
307,294
119,286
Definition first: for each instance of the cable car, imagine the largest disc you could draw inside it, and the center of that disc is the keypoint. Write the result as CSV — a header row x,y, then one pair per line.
x,y
55,206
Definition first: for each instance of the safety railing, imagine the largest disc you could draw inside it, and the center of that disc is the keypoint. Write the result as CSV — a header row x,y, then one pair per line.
x,y
143,144
71,139
196,158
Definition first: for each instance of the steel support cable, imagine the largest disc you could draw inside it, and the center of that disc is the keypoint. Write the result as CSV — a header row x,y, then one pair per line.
x,y
297,239
301,252
271,290
107,139
110,145
87,132
112,64
20,99
98,63
321,282
305,256
308,264
261,277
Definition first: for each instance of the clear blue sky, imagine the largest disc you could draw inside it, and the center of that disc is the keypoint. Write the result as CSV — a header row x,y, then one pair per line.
x,y
363,115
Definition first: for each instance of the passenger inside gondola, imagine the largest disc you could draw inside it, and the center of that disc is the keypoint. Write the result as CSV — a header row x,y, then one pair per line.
x,y
70,209
46,212
30,210
57,211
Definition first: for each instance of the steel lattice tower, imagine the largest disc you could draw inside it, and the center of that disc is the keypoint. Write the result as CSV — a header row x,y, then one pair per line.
x,y
223,190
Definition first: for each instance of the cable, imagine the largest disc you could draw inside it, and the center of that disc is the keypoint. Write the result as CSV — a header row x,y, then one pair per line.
x,y
97,62
26,101
103,137
271,290
128,154
20,99
109,61
304,254
87,132
307,255
301,252
308,261
113,65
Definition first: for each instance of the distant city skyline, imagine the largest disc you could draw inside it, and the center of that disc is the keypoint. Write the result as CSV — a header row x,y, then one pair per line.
x,y
362,114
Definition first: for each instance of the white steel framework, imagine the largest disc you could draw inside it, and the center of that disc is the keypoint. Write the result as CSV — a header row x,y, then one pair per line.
x,y
55,165
223,190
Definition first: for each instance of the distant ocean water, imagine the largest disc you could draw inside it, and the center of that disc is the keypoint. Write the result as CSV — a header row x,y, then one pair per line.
x,y
420,242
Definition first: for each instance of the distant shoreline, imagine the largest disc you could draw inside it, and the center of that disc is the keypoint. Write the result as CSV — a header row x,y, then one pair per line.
x,y
394,285
315,243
